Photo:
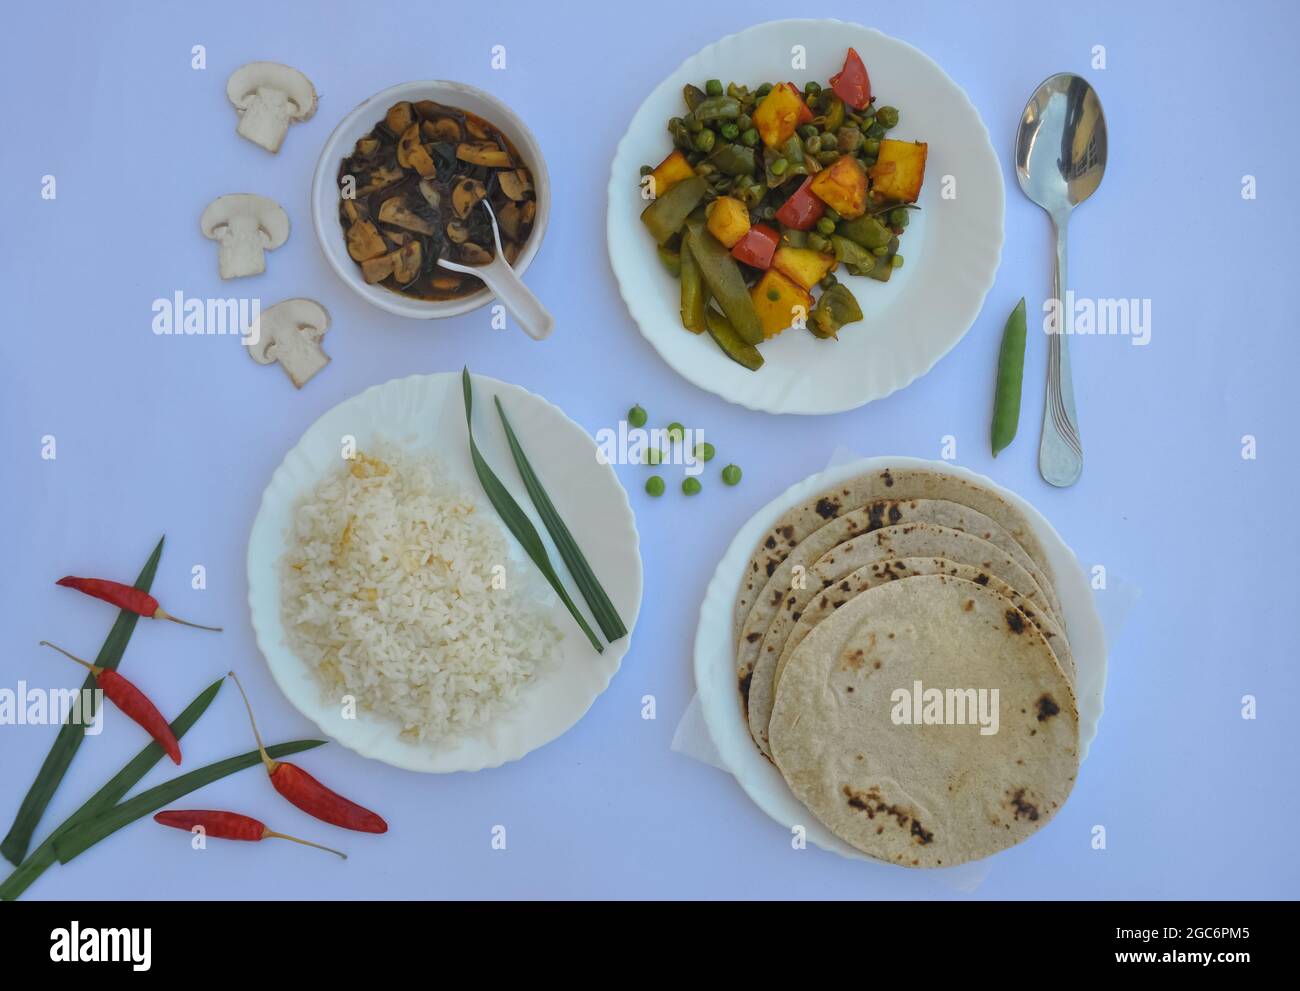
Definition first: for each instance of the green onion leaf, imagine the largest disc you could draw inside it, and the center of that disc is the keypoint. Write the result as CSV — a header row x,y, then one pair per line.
x,y
84,835
611,624
515,519
71,735
108,796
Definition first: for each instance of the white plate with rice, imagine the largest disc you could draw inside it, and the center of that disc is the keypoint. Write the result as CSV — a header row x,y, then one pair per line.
x,y
392,605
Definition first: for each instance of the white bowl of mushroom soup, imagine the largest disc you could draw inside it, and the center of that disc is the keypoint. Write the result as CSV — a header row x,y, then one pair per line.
x,y
400,181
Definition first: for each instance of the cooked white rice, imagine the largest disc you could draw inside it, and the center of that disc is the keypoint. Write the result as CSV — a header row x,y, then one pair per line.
x,y
388,595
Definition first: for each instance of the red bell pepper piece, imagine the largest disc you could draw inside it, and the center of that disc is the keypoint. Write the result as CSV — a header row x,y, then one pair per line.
x,y
852,84
802,210
805,114
757,247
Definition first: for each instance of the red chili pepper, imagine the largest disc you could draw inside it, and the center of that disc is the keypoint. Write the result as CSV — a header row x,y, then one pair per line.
x,y
229,826
852,84
126,597
307,793
757,247
803,209
131,701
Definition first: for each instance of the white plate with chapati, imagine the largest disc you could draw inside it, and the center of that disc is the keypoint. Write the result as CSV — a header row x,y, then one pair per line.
x,y
394,607
886,565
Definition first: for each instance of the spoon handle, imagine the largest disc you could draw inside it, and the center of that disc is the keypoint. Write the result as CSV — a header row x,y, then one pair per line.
x,y
535,320
1060,453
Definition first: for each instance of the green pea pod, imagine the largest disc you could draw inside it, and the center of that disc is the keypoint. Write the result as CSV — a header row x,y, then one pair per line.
x,y
695,296
852,254
1011,373
672,261
734,159
693,96
837,307
733,346
716,108
722,275
665,216
882,270
866,231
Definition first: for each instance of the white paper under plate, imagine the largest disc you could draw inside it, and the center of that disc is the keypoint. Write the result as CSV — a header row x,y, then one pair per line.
x,y
951,248
715,655
426,412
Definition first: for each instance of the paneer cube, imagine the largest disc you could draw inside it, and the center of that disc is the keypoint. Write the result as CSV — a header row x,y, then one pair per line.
x,y
804,266
778,114
899,170
842,187
777,300
728,220
671,171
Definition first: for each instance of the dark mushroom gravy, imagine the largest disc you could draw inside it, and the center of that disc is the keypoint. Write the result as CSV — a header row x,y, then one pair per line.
x,y
410,192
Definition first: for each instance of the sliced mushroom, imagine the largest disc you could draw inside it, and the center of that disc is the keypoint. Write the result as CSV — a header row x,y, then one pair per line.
x,y
290,332
400,116
508,221
268,97
381,178
511,252
457,232
377,269
245,226
367,146
447,282
350,211
428,109
412,155
483,153
365,241
406,263
394,211
465,196
441,129
527,212
474,254
476,129
399,238
514,183
430,193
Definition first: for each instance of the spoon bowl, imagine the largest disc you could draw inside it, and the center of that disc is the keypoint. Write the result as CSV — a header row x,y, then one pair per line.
x,y
1060,158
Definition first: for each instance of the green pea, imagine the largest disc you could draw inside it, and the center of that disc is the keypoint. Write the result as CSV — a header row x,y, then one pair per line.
x,y
749,138
812,88
729,131
828,156
676,432
812,145
691,486
898,217
731,475
828,139
896,261
778,167
713,87
773,295
704,140
826,226
704,451
636,417
807,130
1011,370
887,117
654,485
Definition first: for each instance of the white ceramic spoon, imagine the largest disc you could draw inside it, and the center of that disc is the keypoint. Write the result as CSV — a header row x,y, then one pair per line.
x,y
501,279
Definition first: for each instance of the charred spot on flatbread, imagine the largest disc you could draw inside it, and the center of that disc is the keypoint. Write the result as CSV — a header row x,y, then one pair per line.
x,y
1021,807
887,478
1015,621
1047,708
770,543
827,508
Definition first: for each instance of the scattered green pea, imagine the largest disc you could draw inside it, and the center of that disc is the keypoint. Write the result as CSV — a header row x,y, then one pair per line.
x,y
704,451
691,486
713,87
749,138
636,417
887,117
654,485
731,475
896,261
676,432
704,140
729,131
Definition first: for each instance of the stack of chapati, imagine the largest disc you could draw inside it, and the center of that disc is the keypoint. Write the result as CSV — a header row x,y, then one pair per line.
x,y
876,626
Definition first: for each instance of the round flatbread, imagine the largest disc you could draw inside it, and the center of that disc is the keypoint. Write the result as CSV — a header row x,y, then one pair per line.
x,y
796,524
874,516
913,778
790,625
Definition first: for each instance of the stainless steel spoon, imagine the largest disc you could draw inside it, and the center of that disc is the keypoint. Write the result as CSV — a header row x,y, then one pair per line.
x,y
1060,158
506,285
